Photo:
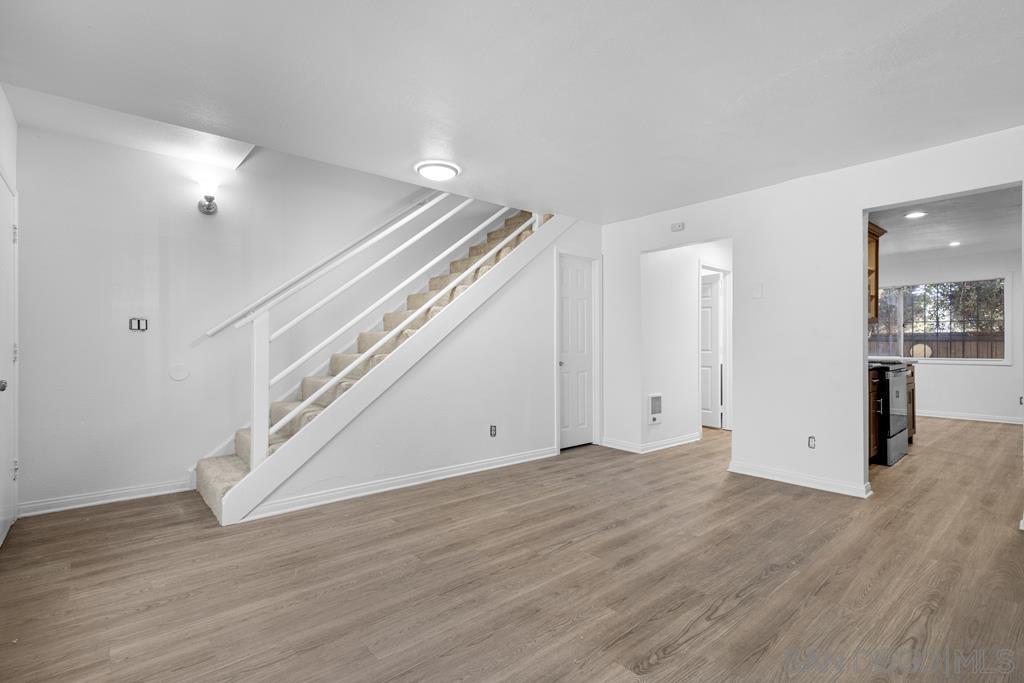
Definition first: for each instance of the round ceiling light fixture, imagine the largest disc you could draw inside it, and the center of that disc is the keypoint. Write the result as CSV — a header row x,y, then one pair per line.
x,y
438,171
916,214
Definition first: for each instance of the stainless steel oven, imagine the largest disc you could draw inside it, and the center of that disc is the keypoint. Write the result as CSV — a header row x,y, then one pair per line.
x,y
893,420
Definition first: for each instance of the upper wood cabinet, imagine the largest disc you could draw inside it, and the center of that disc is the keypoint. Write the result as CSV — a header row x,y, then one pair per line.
x,y
874,234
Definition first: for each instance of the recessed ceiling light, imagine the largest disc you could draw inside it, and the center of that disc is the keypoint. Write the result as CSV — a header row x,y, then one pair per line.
x,y
915,214
438,171
954,244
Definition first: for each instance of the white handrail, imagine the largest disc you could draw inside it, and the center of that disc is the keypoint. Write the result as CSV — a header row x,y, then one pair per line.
x,y
324,266
384,299
370,269
277,426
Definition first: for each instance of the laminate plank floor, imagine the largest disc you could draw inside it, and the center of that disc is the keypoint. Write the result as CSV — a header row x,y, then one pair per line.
x,y
596,565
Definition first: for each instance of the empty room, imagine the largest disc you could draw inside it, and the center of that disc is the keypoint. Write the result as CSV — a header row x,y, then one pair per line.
x,y
531,341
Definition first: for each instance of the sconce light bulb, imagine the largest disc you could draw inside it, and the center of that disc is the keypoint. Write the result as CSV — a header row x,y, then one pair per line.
x,y
207,206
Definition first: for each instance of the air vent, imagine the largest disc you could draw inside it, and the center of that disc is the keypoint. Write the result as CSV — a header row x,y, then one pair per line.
x,y
654,408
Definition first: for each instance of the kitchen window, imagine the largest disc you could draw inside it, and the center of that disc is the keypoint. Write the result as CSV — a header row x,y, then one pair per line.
x,y
942,321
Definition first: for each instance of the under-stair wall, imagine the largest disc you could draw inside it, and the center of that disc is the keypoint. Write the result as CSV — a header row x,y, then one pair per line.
x,y
110,233
496,367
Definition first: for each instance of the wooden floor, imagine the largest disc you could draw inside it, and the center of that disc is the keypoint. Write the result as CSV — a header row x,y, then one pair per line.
x,y
592,566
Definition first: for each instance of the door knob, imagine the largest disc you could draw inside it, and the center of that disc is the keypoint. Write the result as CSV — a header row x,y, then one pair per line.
x,y
3,385
560,364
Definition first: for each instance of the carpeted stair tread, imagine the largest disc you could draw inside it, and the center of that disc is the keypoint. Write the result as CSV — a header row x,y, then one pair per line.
x,y
313,383
243,443
340,361
279,409
215,476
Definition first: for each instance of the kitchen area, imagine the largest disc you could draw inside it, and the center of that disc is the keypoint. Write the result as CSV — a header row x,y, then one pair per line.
x,y
891,381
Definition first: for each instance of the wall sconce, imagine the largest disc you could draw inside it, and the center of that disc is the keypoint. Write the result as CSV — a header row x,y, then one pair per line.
x,y
207,206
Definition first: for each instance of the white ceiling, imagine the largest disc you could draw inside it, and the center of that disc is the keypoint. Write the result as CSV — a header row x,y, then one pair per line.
x,y
604,110
982,222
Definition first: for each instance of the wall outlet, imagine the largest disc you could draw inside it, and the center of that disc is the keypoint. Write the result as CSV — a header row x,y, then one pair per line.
x,y
138,324
494,430
677,227
811,443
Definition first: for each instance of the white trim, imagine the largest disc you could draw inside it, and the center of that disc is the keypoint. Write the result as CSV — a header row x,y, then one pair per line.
x,y
81,500
651,446
800,479
308,500
1022,524
973,417
628,446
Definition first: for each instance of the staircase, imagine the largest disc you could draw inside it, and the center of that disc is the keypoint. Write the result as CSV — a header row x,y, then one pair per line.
x,y
217,475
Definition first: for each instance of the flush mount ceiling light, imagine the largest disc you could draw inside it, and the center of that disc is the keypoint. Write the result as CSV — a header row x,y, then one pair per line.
x,y
954,244
916,214
438,171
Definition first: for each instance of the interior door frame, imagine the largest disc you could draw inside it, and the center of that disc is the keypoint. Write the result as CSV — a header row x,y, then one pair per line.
x,y
597,357
725,294
7,469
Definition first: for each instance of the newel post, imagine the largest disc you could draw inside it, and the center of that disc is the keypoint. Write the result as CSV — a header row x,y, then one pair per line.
x,y
260,433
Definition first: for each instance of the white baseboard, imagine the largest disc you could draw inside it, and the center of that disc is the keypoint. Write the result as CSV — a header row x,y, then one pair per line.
x,y
628,446
81,500
800,479
308,500
973,417
651,446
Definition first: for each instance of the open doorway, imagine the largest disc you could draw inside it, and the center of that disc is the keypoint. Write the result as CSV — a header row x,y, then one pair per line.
x,y
686,295
944,330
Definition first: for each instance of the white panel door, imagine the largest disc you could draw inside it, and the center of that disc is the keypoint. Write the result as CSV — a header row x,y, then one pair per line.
x,y
575,351
8,491
711,351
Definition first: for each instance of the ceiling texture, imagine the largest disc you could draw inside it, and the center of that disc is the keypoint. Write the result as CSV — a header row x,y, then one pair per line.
x,y
603,110
987,221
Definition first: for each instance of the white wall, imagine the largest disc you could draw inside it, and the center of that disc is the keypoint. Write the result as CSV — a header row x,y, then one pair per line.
x,y
670,312
8,142
109,233
498,367
966,390
800,304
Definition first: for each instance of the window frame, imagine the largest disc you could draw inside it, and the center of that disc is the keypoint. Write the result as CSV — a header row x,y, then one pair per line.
x,y
1008,339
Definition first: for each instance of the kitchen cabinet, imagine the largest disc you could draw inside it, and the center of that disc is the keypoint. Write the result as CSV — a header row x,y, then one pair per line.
x,y
874,234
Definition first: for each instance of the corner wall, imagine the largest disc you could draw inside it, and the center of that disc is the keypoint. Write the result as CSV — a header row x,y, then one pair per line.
x,y
799,307
670,311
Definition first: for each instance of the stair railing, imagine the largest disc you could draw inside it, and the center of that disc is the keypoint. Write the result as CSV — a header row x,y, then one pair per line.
x,y
425,308
326,265
257,314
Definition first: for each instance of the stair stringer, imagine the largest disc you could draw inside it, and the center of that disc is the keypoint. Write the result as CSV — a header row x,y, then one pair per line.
x,y
256,486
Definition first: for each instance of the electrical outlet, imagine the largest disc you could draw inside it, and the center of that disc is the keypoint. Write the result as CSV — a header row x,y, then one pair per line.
x,y
811,443
677,227
494,430
138,324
